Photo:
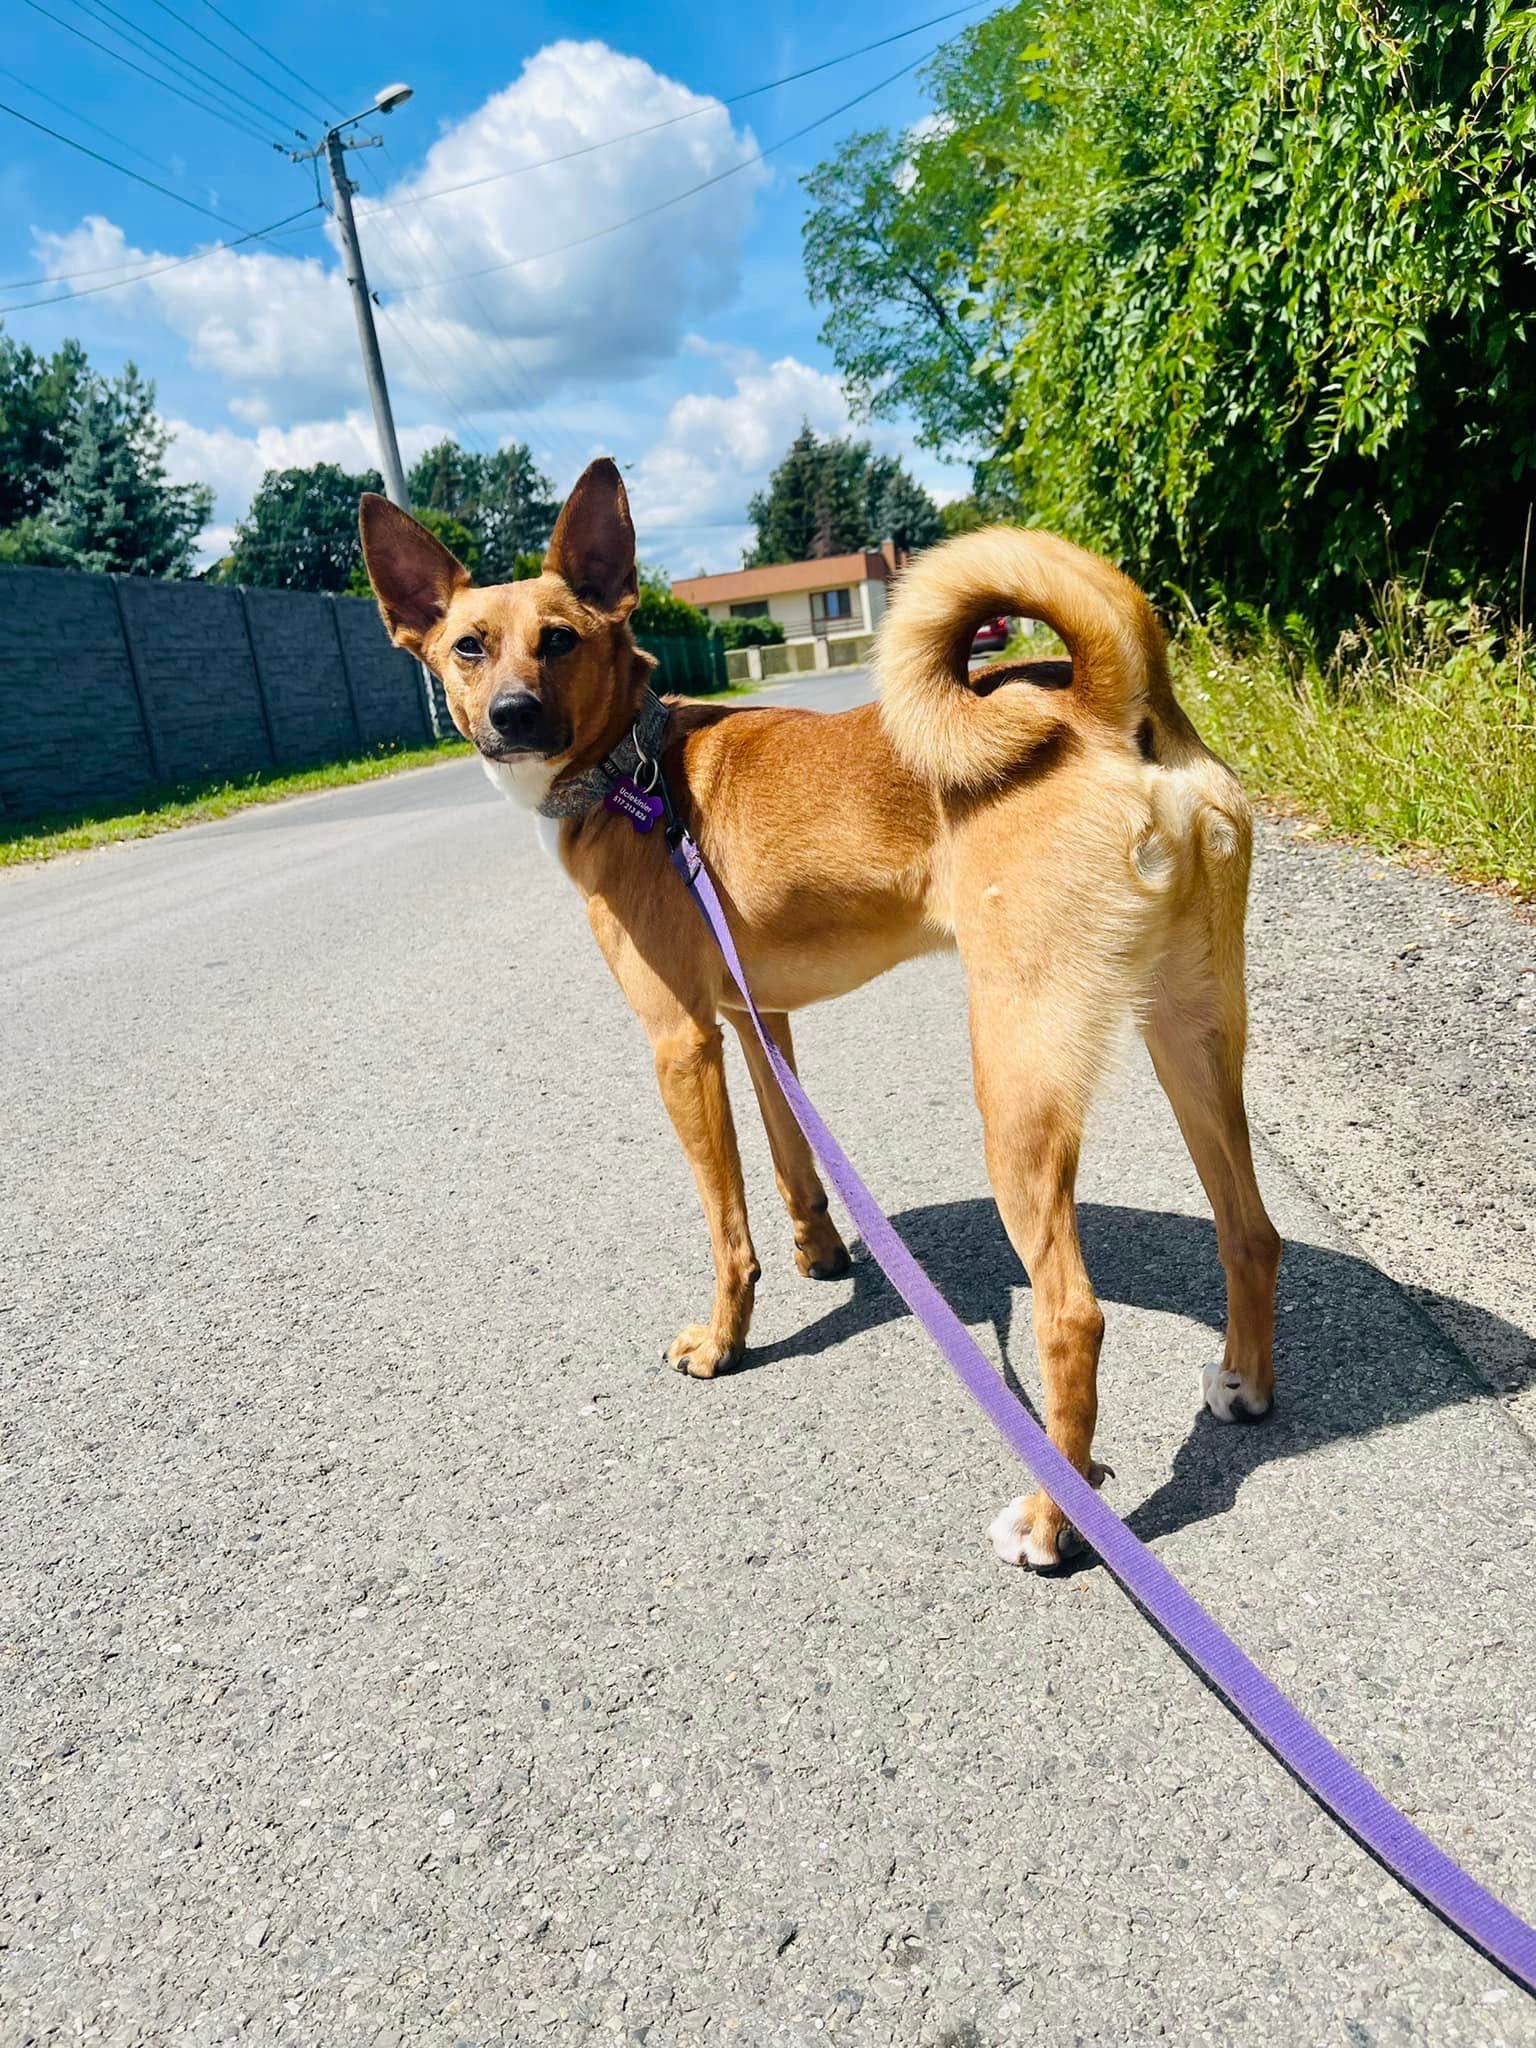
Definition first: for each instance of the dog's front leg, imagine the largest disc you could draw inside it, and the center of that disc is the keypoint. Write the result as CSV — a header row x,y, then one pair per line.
x,y
690,1068
820,1252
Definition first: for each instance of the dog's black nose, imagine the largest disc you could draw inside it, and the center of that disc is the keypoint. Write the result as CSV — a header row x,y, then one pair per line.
x,y
517,716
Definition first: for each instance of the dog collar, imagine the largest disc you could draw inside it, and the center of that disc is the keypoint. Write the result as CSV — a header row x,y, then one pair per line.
x,y
643,742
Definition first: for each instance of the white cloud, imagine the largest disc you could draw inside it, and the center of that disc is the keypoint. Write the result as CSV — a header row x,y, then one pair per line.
x,y
690,489
279,329
713,452
235,463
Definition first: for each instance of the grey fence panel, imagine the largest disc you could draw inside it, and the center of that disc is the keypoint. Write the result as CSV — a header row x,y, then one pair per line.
x,y
386,684
198,677
309,705
110,685
71,730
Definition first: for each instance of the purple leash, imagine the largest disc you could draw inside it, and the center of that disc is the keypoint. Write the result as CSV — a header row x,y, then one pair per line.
x,y
1486,1922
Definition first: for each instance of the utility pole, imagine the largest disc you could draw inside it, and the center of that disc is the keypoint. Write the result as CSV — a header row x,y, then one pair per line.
x,y
333,146
367,333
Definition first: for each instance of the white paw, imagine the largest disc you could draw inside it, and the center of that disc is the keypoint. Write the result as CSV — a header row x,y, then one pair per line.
x,y
1014,1539
1229,1398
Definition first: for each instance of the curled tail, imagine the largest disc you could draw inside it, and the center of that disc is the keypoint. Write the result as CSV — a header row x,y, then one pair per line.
x,y
962,733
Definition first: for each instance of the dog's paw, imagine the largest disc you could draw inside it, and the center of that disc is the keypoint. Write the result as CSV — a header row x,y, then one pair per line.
x,y
820,1252
697,1352
1032,1531
823,1257
1231,1399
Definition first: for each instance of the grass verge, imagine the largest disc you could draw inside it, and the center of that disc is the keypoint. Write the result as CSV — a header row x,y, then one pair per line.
x,y
165,810
1416,737
193,804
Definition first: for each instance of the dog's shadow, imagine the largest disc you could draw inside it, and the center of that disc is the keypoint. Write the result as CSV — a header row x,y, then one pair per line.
x,y
1353,1354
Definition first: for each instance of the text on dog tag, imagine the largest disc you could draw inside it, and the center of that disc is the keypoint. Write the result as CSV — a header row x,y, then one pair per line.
x,y
630,801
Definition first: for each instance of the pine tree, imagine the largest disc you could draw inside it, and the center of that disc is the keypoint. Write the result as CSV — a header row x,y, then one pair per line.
x,y
835,497
39,401
82,469
503,499
114,509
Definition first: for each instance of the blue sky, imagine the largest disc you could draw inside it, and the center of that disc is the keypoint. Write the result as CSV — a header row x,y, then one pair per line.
x,y
684,344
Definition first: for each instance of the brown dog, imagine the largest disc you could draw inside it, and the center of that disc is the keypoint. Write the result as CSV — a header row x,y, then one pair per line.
x,y
1061,824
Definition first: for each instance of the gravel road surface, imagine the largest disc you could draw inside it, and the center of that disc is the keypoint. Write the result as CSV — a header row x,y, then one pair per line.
x,y
395,1652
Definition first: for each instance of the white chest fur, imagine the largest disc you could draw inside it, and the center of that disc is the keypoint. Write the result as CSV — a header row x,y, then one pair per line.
x,y
526,783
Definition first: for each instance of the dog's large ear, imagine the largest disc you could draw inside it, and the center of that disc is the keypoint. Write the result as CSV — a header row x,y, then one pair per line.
x,y
593,544
413,574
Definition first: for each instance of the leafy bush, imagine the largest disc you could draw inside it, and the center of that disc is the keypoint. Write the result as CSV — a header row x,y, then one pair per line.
x,y
736,633
1243,294
662,614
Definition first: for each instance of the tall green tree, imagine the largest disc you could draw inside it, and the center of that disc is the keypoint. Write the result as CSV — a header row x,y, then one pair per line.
x,y
301,530
82,469
1251,290
894,235
503,498
898,508
40,399
114,509
835,497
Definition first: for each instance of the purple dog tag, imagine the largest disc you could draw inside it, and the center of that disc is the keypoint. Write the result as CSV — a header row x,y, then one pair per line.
x,y
632,802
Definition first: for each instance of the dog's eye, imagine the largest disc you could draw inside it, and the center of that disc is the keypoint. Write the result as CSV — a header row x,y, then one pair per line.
x,y
558,640
470,648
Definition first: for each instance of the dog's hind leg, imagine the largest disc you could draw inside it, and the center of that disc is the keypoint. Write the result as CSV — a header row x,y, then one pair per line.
x,y
1037,1041
820,1252
1196,1027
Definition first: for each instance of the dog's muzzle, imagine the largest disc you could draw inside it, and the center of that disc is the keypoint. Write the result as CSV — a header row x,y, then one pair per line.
x,y
520,723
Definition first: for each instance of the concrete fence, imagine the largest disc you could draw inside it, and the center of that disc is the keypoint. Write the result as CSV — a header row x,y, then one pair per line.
x,y
798,657
111,686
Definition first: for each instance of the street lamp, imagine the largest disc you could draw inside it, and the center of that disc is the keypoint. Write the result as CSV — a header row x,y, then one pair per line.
x,y
331,145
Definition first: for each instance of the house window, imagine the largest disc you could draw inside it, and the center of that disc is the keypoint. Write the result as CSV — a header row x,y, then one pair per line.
x,y
827,605
750,611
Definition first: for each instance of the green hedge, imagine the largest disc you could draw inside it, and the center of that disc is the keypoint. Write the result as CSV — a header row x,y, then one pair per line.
x,y
736,633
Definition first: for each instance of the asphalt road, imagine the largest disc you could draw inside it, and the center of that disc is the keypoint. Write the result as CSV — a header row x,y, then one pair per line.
x,y
395,1652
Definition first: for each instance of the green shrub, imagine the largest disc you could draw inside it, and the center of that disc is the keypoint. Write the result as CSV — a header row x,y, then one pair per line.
x,y
736,633
1242,293
659,612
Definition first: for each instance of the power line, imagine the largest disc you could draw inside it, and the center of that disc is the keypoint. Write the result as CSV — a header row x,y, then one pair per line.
x,y
134,264
230,58
203,106
85,122
176,263
141,38
272,57
677,198
692,113
164,190
523,395
466,426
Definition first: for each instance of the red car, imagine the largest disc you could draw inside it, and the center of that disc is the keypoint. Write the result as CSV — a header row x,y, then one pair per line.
x,y
991,637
